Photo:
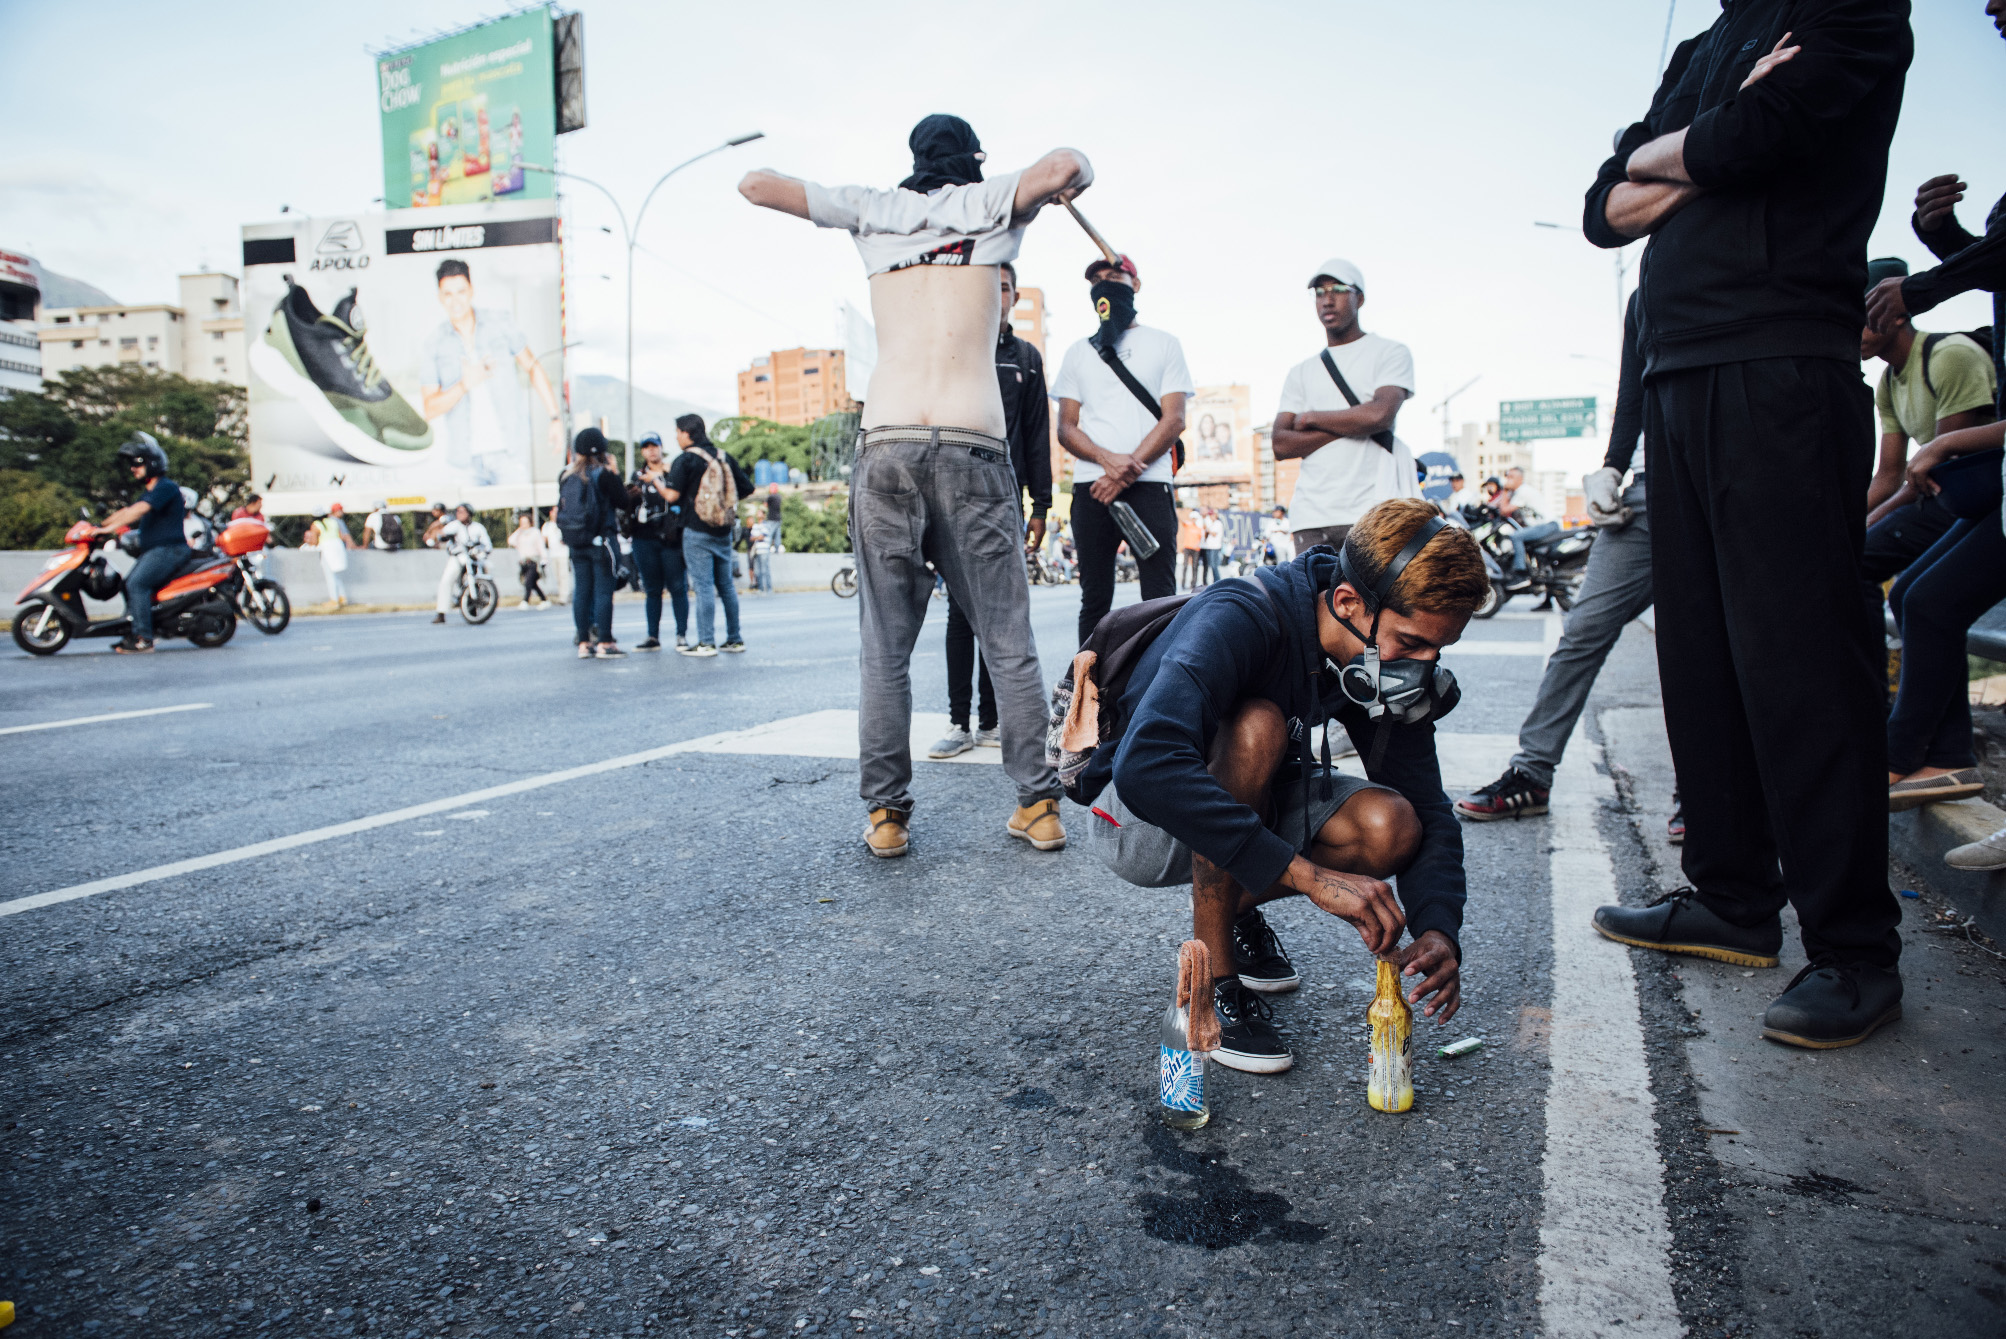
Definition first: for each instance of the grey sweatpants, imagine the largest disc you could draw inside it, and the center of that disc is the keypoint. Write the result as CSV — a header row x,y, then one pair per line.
x,y
949,497
1615,589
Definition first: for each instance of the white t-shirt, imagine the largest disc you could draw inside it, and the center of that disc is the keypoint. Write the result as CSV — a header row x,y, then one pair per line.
x,y
372,529
460,536
1531,506
1213,532
954,225
527,543
1342,480
1109,411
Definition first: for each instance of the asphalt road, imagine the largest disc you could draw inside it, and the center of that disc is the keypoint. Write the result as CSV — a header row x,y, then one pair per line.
x,y
656,1047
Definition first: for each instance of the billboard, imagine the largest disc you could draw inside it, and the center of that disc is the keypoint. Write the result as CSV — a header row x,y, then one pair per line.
x,y
1218,436
462,114
1542,420
408,357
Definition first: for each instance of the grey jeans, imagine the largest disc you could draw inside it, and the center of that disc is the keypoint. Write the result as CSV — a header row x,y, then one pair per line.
x,y
945,496
1615,589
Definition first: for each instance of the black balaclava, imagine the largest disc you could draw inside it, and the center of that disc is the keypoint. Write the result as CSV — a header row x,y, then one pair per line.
x,y
1114,303
945,152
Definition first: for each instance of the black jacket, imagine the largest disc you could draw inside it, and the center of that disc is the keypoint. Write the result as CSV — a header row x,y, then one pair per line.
x,y
1772,260
1626,424
1230,643
1968,262
1027,416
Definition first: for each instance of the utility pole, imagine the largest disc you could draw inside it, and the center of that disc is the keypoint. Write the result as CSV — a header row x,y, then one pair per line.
x,y
631,236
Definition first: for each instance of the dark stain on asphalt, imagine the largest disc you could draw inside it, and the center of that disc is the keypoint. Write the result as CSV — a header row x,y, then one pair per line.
x,y
1820,1186
1030,1099
1217,1207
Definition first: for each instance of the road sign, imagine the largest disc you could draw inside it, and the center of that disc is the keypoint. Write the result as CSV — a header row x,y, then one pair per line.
x,y
1538,420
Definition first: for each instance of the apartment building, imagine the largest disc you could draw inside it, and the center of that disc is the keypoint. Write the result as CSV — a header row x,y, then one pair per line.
x,y
202,339
794,386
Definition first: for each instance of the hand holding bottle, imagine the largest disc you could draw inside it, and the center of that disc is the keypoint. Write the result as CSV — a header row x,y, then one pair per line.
x,y
1432,957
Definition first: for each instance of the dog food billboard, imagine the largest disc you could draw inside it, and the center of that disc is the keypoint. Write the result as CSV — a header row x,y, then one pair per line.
x,y
408,357
461,115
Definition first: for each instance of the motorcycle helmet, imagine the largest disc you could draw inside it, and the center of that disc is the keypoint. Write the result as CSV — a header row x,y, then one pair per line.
x,y
141,449
467,507
100,581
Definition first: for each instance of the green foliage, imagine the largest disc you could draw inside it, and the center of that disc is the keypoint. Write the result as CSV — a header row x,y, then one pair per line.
x,y
750,439
803,529
34,513
68,433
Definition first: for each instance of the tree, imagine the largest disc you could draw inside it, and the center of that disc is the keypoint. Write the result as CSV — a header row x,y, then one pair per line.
x,y
808,529
750,439
68,433
34,513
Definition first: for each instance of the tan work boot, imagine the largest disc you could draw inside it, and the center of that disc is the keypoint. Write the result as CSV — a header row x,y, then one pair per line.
x,y
1039,825
886,836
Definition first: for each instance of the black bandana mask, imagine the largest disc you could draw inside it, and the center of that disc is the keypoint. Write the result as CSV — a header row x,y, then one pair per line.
x,y
945,152
1115,305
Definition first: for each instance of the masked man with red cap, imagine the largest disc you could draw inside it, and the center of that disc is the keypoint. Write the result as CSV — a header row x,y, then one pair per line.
x,y
933,482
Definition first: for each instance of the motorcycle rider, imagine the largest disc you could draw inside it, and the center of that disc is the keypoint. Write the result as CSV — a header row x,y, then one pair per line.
x,y
160,514
461,538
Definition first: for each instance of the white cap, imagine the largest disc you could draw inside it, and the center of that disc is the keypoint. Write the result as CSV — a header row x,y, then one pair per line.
x,y
1341,270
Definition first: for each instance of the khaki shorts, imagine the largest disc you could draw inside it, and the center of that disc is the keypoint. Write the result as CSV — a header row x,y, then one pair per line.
x,y
1148,857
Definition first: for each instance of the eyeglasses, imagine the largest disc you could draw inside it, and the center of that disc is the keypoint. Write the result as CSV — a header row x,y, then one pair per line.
x,y
1330,290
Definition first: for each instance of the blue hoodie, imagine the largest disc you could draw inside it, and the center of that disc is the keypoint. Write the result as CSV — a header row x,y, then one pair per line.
x,y
1233,642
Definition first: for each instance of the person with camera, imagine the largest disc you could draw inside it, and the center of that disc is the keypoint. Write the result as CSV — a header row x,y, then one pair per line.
x,y
656,522
706,482
1210,780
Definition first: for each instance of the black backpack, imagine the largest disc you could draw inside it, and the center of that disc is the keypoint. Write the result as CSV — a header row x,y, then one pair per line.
x,y
1116,643
581,508
391,532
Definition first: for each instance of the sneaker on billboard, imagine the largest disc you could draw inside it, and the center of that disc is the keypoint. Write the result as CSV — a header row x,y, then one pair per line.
x,y
322,360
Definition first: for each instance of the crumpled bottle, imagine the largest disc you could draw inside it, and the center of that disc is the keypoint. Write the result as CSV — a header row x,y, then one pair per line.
x,y
1391,1087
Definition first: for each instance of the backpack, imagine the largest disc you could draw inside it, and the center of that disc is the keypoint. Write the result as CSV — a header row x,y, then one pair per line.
x,y
1085,704
717,493
1982,337
581,508
391,532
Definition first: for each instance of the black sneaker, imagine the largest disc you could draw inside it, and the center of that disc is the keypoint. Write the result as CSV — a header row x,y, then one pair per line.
x,y
1679,922
1247,1040
1513,795
133,646
1259,958
1829,1005
735,646
649,644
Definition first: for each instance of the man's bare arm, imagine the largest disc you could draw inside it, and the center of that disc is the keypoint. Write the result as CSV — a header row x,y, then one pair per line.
x,y
1663,159
1057,177
1890,469
1166,432
1297,435
770,190
1073,438
1639,208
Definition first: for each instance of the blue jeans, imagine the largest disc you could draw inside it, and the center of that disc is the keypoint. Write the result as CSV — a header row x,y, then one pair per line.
x,y
762,572
1532,534
592,593
1935,602
155,568
660,564
709,560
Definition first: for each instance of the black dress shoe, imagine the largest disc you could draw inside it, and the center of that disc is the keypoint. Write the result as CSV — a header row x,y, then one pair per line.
x,y
1829,1005
1679,923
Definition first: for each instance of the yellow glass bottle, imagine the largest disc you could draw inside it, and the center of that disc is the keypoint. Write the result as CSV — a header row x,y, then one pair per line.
x,y
1391,1087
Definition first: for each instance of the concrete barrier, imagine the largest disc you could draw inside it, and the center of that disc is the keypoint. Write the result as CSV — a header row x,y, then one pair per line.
x,y
1922,836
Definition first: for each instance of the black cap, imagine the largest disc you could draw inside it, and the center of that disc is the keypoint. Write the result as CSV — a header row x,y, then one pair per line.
x,y
589,442
1885,268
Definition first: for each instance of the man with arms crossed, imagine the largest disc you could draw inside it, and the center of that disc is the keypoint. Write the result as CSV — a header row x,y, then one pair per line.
x,y
1345,471
1122,448
1212,782
933,482
1758,174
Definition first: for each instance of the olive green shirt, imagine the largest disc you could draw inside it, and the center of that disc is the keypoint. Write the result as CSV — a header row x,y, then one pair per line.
x,y
1959,369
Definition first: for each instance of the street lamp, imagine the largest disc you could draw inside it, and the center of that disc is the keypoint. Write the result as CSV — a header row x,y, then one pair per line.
x,y
630,234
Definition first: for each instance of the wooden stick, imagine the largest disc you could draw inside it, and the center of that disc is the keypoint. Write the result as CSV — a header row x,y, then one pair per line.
x,y
1098,240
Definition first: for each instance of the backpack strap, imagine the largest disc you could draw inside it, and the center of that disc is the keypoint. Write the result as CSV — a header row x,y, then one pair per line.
x,y
1385,435
1929,343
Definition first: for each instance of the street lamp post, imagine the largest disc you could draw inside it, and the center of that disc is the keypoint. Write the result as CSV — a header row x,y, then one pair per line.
x,y
630,234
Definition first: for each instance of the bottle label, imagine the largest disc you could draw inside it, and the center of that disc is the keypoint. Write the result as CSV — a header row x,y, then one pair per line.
x,y
1182,1075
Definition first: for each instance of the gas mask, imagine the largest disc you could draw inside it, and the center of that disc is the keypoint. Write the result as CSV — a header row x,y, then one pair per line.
x,y
1403,690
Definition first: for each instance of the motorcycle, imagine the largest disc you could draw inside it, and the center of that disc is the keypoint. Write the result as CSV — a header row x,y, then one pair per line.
x,y
844,584
1554,567
200,603
479,597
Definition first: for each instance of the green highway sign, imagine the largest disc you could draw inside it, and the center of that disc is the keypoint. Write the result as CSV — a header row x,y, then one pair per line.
x,y
1538,420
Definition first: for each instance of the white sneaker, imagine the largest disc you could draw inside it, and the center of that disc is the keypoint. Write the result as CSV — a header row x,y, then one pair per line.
x,y
1987,853
992,738
956,741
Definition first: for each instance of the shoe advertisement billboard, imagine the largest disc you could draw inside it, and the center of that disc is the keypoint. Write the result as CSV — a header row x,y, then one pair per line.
x,y
408,357
462,114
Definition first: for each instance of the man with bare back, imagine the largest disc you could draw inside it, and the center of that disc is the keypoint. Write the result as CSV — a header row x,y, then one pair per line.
x,y
933,482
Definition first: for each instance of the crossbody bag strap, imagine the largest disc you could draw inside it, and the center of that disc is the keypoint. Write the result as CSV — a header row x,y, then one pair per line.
x,y
1149,402
1385,436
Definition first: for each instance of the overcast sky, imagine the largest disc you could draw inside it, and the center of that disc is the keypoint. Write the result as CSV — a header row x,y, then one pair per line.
x,y
1236,145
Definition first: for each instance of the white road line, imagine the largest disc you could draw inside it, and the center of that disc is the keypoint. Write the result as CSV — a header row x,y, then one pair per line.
x,y
108,716
1604,1242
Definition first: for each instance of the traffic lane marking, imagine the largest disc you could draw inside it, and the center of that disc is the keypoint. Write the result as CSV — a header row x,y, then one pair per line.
x,y
108,716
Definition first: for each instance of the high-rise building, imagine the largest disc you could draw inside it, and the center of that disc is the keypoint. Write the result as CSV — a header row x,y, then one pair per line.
x,y
794,386
202,339
20,345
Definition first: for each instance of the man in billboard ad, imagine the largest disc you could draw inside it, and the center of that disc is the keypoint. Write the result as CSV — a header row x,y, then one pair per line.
x,y
405,362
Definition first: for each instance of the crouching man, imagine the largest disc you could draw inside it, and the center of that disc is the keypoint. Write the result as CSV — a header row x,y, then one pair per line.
x,y
1212,780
